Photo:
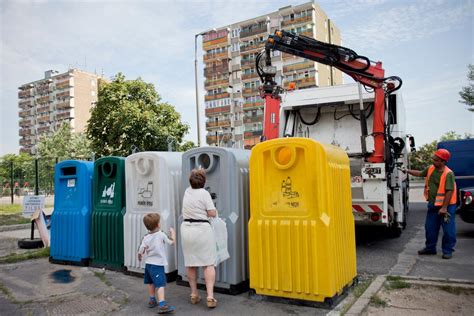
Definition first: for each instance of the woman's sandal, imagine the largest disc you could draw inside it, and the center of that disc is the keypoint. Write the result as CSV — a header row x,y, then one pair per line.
x,y
195,299
211,302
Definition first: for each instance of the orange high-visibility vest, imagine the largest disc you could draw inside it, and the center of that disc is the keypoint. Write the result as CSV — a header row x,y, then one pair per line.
x,y
442,187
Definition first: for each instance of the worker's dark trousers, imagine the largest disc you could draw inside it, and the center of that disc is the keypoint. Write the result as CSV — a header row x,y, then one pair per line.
x,y
432,224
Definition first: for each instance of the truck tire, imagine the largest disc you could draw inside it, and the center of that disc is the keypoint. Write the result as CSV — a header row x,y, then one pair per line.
x,y
28,243
394,231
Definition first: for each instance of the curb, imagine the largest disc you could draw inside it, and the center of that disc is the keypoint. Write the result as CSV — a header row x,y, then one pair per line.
x,y
358,307
14,227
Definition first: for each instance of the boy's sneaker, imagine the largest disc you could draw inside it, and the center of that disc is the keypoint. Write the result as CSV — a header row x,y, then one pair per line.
x,y
447,256
152,303
166,309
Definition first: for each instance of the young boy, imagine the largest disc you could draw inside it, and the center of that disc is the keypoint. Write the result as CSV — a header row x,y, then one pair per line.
x,y
153,246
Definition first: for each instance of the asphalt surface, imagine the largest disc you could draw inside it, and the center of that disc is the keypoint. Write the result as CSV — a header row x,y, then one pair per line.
x,y
37,287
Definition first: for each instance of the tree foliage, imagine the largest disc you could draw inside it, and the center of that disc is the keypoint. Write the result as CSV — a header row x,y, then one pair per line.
x,y
129,114
421,159
23,171
467,93
64,144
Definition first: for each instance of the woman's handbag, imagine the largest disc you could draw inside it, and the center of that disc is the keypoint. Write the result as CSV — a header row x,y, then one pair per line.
x,y
220,233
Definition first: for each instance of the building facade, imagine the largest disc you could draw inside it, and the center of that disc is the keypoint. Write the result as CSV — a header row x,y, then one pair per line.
x,y
233,107
47,103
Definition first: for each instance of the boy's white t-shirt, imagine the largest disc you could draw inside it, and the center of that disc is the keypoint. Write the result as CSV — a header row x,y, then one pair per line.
x,y
196,203
153,247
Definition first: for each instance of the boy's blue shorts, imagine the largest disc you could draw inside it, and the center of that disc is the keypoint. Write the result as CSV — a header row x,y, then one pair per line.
x,y
155,275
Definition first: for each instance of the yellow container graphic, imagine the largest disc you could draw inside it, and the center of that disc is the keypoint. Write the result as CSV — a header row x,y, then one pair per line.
x,y
301,228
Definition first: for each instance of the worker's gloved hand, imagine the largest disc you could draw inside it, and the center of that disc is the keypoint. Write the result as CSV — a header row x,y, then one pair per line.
x,y
447,217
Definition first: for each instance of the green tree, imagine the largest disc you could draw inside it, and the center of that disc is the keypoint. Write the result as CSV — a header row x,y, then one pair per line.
x,y
186,146
421,159
467,93
23,171
129,114
64,144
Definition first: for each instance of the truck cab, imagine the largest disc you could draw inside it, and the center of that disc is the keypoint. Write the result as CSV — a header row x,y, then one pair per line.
x,y
462,164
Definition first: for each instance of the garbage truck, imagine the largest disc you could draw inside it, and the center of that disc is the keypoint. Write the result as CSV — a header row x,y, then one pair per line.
x,y
366,119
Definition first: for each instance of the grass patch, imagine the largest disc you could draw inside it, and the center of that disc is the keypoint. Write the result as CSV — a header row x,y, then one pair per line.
x,y
455,289
356,292
393,278
10,208
102,277
13,219
397,284
377,301
7,293
34,254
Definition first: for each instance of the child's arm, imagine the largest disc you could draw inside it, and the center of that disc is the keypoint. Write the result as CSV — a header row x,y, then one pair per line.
x,y
172,236
141,250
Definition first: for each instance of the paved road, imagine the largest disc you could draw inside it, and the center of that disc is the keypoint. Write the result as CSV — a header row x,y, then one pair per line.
x,y
379,254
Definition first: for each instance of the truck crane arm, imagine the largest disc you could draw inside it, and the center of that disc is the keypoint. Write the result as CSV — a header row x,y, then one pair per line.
x,y
360,68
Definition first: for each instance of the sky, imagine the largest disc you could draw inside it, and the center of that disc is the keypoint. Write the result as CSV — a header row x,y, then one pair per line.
x,y
428,43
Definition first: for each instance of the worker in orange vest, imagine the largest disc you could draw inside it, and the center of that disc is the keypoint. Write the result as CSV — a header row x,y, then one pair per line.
x,y
440,192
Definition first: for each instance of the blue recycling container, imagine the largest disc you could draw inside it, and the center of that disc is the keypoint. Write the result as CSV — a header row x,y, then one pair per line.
x,y
71,219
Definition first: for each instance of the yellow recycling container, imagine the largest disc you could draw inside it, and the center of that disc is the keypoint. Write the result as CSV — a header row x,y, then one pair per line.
x,y
301,228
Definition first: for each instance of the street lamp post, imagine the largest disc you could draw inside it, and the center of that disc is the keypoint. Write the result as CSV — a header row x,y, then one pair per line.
x,y
197,93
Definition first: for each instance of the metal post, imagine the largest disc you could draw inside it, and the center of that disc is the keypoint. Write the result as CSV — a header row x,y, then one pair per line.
x,y
197,93
36,177
11,179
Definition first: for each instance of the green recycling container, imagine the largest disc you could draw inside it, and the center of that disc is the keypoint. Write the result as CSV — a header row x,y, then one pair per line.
x,y
108,209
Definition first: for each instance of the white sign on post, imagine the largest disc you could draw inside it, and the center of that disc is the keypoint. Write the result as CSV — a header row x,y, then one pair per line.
x,y
32,204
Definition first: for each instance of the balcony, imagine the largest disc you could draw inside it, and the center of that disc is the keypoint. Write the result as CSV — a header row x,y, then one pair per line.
x,y
211,124
248,62
24,94
253,133
236,95
42,100
297,20
252,47
25,142
216,83
302,83
253,119
44,129
63,85
63,105
63,115
211,139
221,55
222,109
24,104
235,67
42,89
44,118
253,105
217,96
222,69
43,109
249,76
25,132
25,123
253,31
299,66
222,41
25,113
64,94
250,91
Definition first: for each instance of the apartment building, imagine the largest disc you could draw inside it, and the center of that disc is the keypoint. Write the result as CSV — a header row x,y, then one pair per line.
x,y
47,103
234,108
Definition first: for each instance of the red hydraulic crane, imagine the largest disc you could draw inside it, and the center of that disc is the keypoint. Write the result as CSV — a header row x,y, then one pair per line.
x,y
360,68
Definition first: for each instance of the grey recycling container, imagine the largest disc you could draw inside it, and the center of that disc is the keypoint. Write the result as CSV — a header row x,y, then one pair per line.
x,y
227,180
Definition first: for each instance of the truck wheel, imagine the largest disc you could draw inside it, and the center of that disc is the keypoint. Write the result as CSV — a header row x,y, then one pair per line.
x,y
28,243
394,231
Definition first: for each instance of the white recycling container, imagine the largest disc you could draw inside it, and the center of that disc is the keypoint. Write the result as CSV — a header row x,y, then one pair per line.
x,y
227,179
153,185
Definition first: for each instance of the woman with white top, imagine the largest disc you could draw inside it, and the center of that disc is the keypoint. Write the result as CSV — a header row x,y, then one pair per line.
x,y
197,237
